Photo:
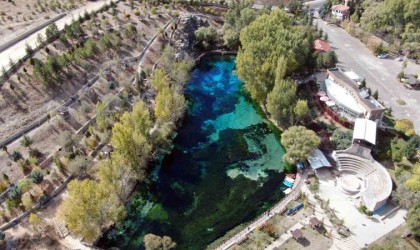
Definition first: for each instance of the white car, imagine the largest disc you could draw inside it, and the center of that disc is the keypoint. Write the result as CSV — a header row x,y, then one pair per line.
x,y
383,56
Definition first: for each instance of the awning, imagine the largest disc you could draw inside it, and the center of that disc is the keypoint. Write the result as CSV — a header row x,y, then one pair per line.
x,y
318,160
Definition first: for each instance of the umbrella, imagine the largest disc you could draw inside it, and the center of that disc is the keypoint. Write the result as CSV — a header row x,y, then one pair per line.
x,y
321,93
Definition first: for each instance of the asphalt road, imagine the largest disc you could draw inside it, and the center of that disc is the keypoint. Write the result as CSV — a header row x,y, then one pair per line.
x,y
17,51
380,74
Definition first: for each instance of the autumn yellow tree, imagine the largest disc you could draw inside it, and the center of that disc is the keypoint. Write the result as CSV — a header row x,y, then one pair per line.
x,y
170,105
130,138
88,207
115,175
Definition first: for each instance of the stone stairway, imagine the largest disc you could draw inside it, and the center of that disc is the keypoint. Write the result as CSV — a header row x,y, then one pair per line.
x,y
61,228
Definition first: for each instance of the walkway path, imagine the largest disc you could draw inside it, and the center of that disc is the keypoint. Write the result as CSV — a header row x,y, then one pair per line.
x,y
277,209
339,243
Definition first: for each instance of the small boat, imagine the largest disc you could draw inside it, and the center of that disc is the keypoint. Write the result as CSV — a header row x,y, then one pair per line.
x,y
290,179
287,191
288,184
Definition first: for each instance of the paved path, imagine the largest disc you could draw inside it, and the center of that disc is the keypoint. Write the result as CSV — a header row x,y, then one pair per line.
x,y
277,209
380,74
339,243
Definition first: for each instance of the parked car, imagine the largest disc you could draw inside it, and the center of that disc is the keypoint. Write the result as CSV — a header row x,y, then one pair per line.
x,y
400,59
383,56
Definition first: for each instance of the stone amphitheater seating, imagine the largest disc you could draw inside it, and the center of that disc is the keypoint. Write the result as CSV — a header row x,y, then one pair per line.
x,y
377,182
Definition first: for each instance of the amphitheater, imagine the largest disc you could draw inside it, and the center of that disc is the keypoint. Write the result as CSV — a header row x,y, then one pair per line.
x,y
362,176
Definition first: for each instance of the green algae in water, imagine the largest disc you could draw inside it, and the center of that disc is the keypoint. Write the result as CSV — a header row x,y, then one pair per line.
x,y
225,167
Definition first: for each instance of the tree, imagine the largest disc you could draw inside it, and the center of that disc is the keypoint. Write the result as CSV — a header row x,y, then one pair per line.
x,y
413,218
375,95
301,110
130,138
40,39
51,31
330,59
406,126
159,79
27,201
281,100
28,49
264,41
26,184
296,7
170,105
14,193
68,141
26,141
101,118
37,176
205,37
299,143
130,31
412,181
4,148
78,165
34,220
155,242
88,207
342,139
115,174
410,151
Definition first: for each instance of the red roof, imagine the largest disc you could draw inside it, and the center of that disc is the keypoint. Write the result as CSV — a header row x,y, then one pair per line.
x,y
321,45
341,7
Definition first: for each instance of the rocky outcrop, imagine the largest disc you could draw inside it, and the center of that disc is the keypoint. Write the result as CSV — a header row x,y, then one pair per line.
x,y
186,39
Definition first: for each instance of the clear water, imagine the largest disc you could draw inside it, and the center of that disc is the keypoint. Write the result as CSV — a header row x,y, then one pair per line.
x,y
225,168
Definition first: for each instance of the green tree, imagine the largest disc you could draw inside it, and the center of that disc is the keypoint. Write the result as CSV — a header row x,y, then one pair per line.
x,y
101,118
26,141
342,139
37,176
296,7
88,207
25,184
413,218
299,143
263,42
410,151
51,31
281,100
130,31
301,110
40,39
78,165
205,37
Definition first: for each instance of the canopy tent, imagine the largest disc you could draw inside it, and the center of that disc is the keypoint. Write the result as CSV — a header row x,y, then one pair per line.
x,y
318,160
365,129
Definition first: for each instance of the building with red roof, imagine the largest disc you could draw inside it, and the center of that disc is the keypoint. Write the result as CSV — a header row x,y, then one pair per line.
x,y
321,46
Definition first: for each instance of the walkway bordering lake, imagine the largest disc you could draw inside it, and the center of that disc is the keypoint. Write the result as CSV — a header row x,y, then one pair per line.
x,y
279,208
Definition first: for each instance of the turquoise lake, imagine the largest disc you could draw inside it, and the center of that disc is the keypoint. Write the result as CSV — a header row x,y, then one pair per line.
x,y
225,168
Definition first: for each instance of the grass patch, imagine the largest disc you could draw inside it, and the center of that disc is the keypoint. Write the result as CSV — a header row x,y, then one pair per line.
x,y
400,102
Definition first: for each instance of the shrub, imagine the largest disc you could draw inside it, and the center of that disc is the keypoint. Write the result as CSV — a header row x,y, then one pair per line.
x,y
16,155
24,165
137,12
14,193
37,176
